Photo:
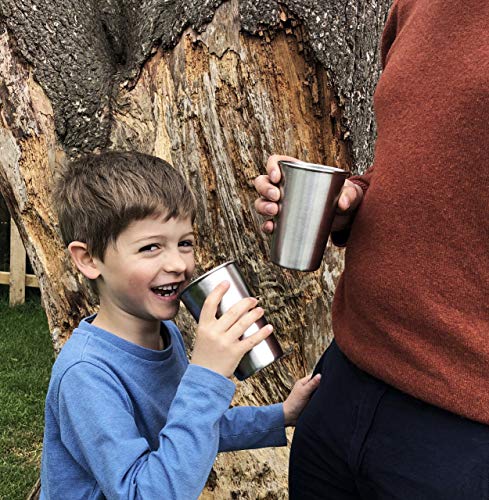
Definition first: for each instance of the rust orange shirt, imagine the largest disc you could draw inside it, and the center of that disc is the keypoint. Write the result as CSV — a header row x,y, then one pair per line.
x,y
412,307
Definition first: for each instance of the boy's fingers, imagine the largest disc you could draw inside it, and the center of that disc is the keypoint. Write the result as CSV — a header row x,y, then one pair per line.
x,y
309,385
209,309
314,381
244,322
233,314
309,379
249,342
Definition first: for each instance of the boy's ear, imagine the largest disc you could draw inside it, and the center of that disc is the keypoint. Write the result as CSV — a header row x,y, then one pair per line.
x,y
85,263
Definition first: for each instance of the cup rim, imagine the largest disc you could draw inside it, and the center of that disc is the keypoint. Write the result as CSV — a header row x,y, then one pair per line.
x,y
315,167
200,278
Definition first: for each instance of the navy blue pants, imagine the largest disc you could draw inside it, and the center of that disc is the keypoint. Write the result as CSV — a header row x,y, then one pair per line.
x,y
359,438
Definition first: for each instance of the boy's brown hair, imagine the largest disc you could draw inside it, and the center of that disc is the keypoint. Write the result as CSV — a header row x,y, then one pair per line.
x,y
97,196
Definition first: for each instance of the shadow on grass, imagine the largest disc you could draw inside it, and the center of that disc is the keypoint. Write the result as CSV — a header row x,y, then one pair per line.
x,y
27,356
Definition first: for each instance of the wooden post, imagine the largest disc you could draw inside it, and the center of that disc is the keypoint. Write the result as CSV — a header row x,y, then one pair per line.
x,y
17,267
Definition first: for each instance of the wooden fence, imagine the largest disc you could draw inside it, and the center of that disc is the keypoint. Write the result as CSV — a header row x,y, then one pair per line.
x,y
16,278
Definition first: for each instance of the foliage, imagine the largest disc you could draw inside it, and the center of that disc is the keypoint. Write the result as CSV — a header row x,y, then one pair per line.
x,y
27,357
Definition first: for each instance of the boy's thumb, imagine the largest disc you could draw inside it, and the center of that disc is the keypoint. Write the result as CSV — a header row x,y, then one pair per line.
x,y
312,380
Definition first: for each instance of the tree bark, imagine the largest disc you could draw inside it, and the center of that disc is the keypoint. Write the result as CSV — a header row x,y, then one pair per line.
x,y
29,155
214,94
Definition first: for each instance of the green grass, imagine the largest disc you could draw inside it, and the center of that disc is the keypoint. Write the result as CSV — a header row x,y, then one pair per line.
x,y
26,357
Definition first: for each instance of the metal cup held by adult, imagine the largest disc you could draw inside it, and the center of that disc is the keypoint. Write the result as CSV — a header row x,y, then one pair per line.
x,y
194,295
307,206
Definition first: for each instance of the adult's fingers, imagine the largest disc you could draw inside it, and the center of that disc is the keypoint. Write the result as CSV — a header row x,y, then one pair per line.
x,y
273,169
265,207
209,309
341,221
267,227
350,197
266,188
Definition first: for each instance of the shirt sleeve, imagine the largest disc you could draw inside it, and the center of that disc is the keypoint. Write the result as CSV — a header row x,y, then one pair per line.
x,y
363,180
99,430
248,427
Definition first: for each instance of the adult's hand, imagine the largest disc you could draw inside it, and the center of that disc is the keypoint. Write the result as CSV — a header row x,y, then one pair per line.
x,y
350,197
269,193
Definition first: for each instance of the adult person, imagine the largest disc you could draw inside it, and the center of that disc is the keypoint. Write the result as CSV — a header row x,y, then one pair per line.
x,y
403,407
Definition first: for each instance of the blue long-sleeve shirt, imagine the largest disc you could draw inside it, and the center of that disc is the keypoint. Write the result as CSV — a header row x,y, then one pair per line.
x,y
123,421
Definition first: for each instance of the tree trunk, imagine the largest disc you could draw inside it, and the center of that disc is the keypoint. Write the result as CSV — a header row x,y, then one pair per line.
x,y
213,90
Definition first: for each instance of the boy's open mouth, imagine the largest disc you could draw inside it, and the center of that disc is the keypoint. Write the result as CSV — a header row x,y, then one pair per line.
x,y
166,290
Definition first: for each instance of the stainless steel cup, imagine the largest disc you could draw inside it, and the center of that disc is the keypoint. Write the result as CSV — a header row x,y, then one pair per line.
x,y
308,200
194,295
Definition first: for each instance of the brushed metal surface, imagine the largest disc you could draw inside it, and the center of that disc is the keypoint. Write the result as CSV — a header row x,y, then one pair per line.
x,y
194,295
308,201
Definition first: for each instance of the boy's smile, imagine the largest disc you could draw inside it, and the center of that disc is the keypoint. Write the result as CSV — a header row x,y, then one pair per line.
x,y
142,276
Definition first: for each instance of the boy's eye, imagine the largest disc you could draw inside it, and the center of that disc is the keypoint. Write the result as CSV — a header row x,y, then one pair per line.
x,y
149,248
186,243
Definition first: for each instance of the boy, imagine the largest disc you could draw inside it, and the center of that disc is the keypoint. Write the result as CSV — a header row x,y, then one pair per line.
x,y
126,415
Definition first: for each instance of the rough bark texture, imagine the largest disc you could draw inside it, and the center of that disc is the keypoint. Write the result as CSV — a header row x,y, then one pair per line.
x,y
29,153
215,100
83,50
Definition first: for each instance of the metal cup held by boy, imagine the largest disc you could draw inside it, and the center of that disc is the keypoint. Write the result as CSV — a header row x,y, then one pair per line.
x,y
308,199
194,295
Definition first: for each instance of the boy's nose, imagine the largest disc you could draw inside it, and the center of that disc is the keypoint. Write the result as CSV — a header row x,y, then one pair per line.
x,y
174,263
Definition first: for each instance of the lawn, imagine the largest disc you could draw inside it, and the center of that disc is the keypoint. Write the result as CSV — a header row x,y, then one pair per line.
x,y
26,359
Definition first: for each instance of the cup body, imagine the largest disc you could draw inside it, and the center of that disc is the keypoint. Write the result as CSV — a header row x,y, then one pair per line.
x,y
194,295
307,206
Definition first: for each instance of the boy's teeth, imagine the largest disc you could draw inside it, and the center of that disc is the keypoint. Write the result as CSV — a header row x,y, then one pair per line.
x,y
165,289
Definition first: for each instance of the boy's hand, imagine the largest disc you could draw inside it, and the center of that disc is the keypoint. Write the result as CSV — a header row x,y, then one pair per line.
x,y
350,197
299,397
218,346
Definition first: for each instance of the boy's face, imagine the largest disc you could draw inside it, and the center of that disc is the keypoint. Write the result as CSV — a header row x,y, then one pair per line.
x,y
145,270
